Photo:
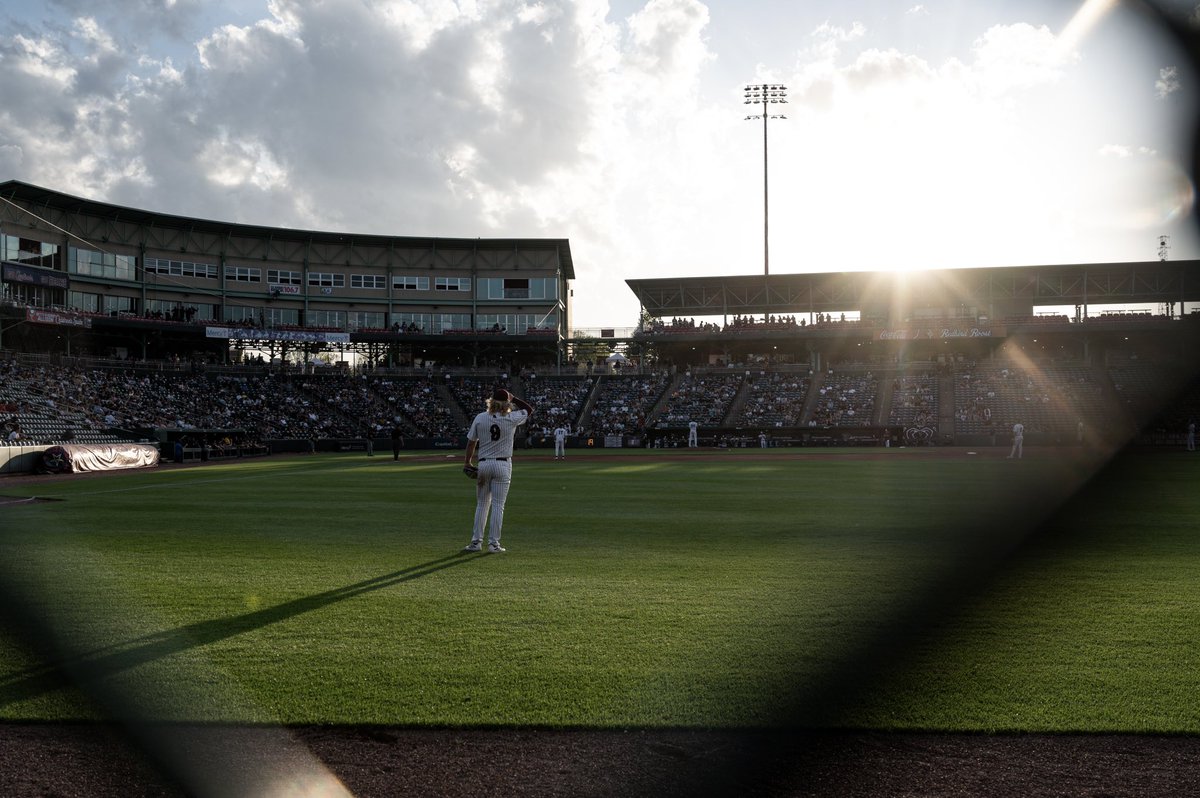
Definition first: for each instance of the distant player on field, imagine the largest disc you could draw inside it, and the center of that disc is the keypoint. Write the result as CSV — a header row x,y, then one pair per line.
x,y
1018,444
692,428
491,437
560,443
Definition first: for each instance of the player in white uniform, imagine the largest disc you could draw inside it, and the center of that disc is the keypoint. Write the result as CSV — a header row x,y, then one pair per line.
x,y
692,428
560,443
1018,441
491,437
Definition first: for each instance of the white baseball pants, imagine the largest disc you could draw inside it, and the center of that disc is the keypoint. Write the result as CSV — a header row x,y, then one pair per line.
x,y
491,491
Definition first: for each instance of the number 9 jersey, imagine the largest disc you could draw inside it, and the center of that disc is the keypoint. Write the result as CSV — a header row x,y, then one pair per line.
x,y
495,432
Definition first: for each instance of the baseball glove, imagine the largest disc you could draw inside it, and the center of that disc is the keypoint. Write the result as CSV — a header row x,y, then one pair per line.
x,y
471,471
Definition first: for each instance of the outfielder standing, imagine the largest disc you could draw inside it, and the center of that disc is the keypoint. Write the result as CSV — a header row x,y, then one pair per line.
x,y
560,443
692,438
1018,438
491,437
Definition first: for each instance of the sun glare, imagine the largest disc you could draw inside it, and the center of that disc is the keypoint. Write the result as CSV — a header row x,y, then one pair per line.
x,y
1086,18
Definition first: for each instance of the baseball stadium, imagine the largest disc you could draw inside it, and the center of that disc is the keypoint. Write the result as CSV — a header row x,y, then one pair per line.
x,y
822,534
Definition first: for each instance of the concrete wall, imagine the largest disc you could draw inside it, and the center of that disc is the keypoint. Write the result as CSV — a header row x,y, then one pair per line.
x,y
20,459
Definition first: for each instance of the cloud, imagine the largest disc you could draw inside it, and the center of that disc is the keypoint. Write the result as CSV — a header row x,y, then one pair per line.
x,y
484,118
545,118
1125,151
1167,83
918,10
1020,56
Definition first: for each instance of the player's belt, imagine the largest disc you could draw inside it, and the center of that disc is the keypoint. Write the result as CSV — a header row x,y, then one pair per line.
x,y
493,458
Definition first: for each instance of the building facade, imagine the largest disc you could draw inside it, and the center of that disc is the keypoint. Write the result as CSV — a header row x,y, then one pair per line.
x,y
71,255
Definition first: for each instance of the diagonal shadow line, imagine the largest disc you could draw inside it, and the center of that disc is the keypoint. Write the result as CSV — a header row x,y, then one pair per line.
x,y
92,666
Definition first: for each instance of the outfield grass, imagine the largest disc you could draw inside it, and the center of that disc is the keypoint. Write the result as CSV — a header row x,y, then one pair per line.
x,y
715,591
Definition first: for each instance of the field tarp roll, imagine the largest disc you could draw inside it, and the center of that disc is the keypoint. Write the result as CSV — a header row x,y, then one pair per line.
x,y
77,457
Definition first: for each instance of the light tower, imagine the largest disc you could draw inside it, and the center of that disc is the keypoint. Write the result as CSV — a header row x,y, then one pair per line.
x,y
1164,245
766,93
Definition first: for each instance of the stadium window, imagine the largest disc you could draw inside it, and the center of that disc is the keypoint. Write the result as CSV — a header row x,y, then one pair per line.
x,y
327,279
357,320
372,281
452,284
410,283
325,318
79,300
243,274
284,277
176,268
516,289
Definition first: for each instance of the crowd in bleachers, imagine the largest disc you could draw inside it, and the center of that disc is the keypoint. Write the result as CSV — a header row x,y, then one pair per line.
x,y
845,400
558,401
1048,399
264,405
623,403
774,400
43,403
739,323
417,403
703,399
771,322
678,325
914,401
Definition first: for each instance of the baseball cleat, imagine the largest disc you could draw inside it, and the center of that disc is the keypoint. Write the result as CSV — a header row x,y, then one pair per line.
x,y
474,545
495,548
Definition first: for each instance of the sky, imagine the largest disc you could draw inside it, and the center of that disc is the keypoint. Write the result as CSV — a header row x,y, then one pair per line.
x,y
939,134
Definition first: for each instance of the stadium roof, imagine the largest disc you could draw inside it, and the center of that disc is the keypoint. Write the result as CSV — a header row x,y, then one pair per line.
x,y
827,292
35,196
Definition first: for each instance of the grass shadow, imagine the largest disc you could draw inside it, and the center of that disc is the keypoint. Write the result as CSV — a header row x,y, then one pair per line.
x,y
91,667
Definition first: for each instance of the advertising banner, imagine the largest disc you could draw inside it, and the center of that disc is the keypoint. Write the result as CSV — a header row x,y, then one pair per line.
x,y
30,275
303,336
61,318
939,333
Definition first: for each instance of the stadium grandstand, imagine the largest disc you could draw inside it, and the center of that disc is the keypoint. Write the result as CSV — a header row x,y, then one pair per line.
x,y
213,339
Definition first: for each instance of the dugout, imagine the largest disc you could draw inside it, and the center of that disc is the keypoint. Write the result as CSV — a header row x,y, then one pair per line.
x,y
202,445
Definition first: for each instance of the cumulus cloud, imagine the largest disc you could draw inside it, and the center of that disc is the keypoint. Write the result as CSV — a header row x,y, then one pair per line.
x,y
1167,83
1018,56
530,118
492,117
1126,151
273,118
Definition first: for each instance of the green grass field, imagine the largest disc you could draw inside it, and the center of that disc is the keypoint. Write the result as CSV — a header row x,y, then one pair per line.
x,y
639,590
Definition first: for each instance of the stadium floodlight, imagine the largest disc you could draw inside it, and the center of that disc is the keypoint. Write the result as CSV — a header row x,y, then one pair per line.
x,y
767,94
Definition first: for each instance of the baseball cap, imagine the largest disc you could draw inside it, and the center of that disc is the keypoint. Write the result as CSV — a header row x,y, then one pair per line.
x,y
501,395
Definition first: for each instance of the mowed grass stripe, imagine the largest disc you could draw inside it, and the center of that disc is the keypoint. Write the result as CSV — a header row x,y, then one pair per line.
x,y
638,591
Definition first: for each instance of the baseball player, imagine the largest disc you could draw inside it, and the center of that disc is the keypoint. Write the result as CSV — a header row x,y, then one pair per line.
x,y
692,427
1018,441
491,437
560,443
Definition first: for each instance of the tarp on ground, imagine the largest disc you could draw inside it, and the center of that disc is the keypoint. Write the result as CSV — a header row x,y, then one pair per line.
x,y
73,458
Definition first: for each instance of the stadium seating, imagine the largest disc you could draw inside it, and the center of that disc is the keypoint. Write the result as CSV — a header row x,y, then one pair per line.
x,y
112,402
